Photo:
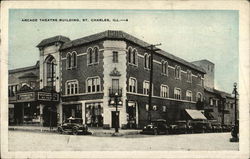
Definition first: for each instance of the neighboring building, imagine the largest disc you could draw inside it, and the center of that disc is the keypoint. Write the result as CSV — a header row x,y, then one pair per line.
x,y
218,105
86,73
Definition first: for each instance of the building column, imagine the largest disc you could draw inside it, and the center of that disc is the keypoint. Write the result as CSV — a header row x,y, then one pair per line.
x,y
59,113
83,112
41,114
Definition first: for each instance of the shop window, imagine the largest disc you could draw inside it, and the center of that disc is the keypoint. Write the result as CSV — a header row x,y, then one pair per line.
x,y
94,114
164,91
132,85
93,84
189,95
177,93
72,87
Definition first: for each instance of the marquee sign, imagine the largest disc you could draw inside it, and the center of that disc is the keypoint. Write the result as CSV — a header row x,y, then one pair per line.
x,y
26,97
44,96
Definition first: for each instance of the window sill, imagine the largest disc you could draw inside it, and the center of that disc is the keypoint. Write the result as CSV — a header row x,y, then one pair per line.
x,y
91,64
135,65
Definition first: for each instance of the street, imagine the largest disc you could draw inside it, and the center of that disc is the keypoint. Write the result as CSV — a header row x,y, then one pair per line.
x,y
33,141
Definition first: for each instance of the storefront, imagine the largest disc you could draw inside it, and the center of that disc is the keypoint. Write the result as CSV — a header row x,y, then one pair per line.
x,y
94,114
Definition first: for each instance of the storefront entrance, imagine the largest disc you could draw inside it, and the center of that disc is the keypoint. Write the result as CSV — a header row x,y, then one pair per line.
x,y
115,119
131,114
49,116
94,114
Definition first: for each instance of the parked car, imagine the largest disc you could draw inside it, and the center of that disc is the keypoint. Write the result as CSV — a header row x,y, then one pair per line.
x,y
73,126
209,127
199,126
216,127
181,126
156,127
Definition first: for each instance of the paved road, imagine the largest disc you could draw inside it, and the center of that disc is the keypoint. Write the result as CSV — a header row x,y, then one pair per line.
x,y
27,141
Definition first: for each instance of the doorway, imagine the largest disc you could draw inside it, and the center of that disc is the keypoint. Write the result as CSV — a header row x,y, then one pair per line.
x,y
114,119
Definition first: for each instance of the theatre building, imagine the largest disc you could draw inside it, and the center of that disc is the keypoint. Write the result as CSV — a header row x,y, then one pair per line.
x,y
80,78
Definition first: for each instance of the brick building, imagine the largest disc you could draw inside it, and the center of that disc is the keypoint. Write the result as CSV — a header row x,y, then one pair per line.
x,y
79,78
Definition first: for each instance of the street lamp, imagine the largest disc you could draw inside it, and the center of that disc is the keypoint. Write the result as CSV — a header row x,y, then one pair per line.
x,y
235,129
117,102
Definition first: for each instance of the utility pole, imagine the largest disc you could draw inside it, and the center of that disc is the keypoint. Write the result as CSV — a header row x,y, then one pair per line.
x,y
152,51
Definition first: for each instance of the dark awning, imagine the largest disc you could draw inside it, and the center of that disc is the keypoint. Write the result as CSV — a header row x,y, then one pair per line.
x,y
195,114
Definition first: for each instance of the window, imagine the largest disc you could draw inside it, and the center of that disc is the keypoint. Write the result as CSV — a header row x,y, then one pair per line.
x,y
115,84
129,54
96,55
134,55
189,76
164,69
189,95
147,61
211,101
216,102
93,85
71,60
177,93
12,90
164,91
146,87
164,108
51,70
177,72
199,97
92,55
115,56
132,85
199,80
71,87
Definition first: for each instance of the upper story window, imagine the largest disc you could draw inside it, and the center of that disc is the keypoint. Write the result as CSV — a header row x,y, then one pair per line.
x,y
146,87
199,97
71,61
132,85
147,61
199,80
72,87
92,55
93,85
12,90
164,67
115,57
189,76
189,95
177,72
177,93
132,56
50,62
211,101
164,91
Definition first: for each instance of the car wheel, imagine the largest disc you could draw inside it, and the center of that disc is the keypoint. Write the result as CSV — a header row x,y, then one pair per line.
x,y
75,131
60,130
155,132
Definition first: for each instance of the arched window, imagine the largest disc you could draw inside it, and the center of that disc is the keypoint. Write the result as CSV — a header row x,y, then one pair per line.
x,y
146,60
189,95
129,54
189,76
177,72
149,61
50,70
134,55
96,54
71,87
90,56
68,60
199,97
177,93
73,59
164,65
164,91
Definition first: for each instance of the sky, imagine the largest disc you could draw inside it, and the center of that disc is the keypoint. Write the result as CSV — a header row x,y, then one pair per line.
x,y
189,34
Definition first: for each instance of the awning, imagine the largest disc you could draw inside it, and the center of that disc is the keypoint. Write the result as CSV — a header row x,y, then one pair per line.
x,y
195,114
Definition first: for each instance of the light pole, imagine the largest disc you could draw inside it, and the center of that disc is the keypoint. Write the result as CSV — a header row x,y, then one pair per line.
x,y
116,102
235,129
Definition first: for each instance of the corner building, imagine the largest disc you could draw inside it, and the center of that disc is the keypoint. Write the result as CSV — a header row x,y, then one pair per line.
x,y
94,67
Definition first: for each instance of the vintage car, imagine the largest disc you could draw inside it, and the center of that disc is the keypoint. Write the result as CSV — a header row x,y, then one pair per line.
x,y
199,126
156,127
181,126
216,127
73,126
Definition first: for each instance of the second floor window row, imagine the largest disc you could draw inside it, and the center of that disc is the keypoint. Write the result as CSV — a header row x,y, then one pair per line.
x,y
71,60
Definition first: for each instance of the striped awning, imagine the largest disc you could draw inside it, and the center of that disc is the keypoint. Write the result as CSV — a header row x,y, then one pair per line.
x,y
195,114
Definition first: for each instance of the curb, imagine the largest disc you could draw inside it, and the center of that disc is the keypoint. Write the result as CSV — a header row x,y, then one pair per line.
x,y
98,134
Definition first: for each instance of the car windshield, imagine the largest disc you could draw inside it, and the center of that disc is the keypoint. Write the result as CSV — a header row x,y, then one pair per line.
x,y
78,121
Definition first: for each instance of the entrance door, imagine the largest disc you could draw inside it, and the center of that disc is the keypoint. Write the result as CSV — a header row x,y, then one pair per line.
x,y
114,119
49,116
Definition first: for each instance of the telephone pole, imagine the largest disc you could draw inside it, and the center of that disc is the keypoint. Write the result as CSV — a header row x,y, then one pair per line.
x,y
152,49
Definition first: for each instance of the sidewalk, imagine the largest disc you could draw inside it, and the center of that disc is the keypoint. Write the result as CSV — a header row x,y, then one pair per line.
x,y
95,131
